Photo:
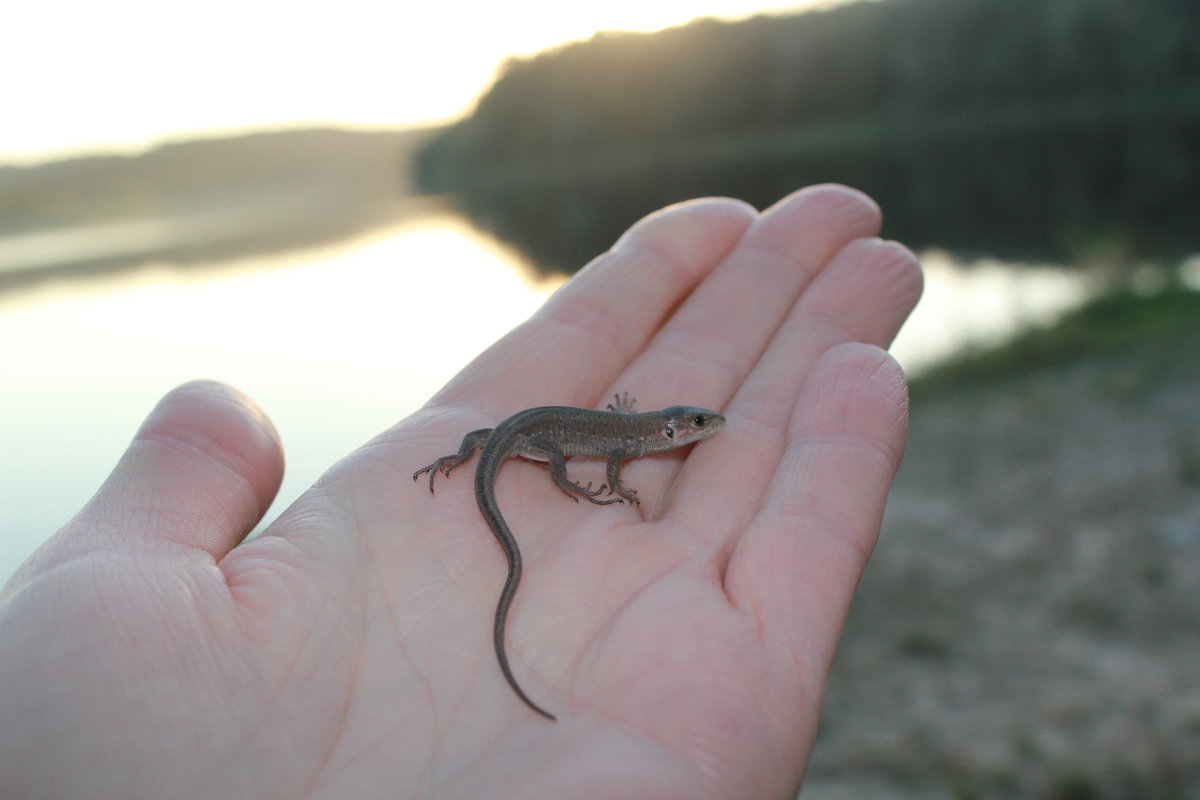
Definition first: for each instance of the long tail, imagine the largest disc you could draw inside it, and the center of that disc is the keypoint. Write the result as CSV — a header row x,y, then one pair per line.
x,y
506,596
485,473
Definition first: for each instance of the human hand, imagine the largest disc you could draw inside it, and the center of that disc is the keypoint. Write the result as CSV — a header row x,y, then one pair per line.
x,y
346,652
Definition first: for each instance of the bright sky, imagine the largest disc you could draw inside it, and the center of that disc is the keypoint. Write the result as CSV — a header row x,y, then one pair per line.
x,y
79,76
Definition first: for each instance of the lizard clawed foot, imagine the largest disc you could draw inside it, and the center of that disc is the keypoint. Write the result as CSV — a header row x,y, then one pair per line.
x,y
442,465
590,493
623,405
588,489
628,494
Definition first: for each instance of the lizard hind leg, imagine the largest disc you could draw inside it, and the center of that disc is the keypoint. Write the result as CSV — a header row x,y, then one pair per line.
x,y
470,443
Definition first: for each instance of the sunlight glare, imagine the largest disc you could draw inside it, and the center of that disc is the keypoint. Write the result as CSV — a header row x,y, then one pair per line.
x,y
94,81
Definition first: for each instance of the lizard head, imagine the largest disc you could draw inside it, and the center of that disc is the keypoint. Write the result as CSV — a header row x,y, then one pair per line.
x,y
685,424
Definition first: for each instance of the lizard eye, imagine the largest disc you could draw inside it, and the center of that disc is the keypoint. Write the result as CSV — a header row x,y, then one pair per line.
x,y
699,420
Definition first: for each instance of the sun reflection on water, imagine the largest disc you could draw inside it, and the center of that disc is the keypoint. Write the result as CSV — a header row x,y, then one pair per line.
x,y
335,346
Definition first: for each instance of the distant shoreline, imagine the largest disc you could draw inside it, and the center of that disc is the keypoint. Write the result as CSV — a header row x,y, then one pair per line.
x,y
182,242
201,201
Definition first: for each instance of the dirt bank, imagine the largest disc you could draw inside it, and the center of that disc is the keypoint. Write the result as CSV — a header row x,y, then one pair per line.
x,y
1030,623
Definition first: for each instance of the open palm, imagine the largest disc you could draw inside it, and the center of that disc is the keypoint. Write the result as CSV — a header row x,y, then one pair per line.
x,y
346,652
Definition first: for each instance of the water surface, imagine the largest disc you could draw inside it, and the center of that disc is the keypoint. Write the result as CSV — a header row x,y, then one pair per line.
x,y
336,344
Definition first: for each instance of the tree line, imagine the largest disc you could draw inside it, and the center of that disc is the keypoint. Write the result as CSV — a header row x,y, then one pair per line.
x,y
1019,128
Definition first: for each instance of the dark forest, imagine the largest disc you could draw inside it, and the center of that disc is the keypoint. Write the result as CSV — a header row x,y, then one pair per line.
x,y
1064,131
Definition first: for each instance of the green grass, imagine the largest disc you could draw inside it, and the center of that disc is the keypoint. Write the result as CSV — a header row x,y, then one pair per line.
x,y
1162,331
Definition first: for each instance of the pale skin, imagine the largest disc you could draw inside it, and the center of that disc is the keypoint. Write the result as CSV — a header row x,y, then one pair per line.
x,y
346,652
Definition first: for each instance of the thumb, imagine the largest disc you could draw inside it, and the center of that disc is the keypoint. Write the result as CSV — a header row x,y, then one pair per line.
x,y
198,475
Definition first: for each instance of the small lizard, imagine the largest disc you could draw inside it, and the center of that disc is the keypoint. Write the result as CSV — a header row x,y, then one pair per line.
x,y
550,434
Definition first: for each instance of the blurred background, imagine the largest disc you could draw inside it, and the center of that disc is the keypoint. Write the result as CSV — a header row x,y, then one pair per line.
x,y
334,207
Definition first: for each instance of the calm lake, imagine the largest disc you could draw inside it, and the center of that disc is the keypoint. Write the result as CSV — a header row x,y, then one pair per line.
x,y
335,343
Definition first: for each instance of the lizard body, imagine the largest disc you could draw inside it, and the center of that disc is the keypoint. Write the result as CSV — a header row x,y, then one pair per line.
x,y
550,434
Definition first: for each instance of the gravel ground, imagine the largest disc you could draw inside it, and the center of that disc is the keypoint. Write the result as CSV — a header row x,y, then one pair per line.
x,y
1029,625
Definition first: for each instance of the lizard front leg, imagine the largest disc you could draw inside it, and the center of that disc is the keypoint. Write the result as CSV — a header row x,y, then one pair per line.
x,y
614,479
623,405
558,471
